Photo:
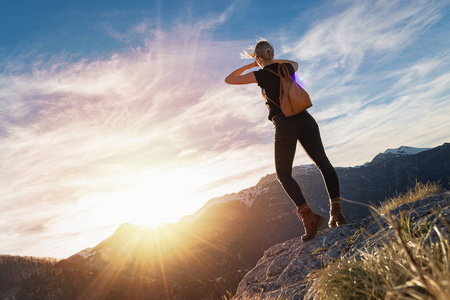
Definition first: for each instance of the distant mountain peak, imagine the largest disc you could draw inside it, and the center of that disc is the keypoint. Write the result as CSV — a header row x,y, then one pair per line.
x,y
402,151
405,150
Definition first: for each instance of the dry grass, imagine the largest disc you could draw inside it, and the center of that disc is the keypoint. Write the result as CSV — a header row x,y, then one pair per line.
x,y
420,191
407,267
400,270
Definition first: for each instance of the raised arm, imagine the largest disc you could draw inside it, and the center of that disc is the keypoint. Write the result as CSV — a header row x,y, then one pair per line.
x,y
236,78
283,61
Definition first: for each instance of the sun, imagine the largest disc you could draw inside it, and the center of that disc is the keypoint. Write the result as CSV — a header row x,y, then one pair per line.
x,y
148,204
148,207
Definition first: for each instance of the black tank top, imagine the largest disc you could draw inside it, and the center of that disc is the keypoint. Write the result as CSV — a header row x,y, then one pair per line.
x,y
270,86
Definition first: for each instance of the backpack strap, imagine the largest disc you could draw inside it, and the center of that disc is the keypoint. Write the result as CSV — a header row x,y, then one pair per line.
x,y
273,72
279,74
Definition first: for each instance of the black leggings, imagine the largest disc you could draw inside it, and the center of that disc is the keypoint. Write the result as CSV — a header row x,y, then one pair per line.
x,y
302,128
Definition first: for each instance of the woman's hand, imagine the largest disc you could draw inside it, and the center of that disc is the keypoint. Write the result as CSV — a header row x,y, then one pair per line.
x,y
236,78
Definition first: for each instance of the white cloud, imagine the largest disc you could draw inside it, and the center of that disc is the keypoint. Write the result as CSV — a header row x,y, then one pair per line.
x,y
70,130
370,91
414,74
77,135
334,48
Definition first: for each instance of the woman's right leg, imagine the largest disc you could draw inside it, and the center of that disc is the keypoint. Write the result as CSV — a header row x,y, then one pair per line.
x,y
312,143
285,146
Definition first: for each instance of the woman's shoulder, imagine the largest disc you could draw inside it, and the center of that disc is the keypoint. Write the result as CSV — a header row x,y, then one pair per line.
x,y
272,66
275,67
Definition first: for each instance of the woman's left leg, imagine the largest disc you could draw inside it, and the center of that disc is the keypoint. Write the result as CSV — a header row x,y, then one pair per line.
x,y
309,138
311,141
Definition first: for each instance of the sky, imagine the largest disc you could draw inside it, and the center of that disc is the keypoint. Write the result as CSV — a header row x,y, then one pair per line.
x,y
117,111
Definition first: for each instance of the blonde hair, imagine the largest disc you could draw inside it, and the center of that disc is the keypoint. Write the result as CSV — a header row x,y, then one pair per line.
x,y
262,50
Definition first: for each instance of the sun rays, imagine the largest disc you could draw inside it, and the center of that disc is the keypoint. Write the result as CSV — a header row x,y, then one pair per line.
x,y
159,255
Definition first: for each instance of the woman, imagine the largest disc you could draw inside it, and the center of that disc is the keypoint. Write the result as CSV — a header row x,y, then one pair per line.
x,y
288,130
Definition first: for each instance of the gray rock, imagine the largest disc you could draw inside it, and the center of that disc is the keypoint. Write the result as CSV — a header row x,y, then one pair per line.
x,y
280,273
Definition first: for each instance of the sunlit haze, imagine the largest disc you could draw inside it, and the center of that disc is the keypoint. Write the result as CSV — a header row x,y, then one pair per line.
x,y
115,112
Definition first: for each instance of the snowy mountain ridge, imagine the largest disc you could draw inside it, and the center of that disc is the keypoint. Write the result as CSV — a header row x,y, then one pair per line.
x,y
401,151
405,150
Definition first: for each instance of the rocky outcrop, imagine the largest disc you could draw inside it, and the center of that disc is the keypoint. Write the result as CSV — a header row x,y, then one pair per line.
x,y
281,272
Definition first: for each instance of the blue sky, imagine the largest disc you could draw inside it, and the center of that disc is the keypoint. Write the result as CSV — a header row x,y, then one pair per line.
x,y
93,28
117,111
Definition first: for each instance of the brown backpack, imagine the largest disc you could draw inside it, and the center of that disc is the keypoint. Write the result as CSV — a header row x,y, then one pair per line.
x,y
293,98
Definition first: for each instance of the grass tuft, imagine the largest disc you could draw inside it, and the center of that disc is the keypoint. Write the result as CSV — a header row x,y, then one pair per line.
x,y
418,192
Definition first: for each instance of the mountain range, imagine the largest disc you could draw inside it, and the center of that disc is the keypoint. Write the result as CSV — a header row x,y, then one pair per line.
x,y
205,255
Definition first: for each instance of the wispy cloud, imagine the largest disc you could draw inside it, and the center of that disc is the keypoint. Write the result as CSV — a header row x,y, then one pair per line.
x,y
370,90
360,30
71,130
86,144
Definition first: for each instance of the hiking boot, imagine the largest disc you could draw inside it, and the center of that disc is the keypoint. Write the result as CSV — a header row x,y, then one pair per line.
x,y
311,221
336,216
